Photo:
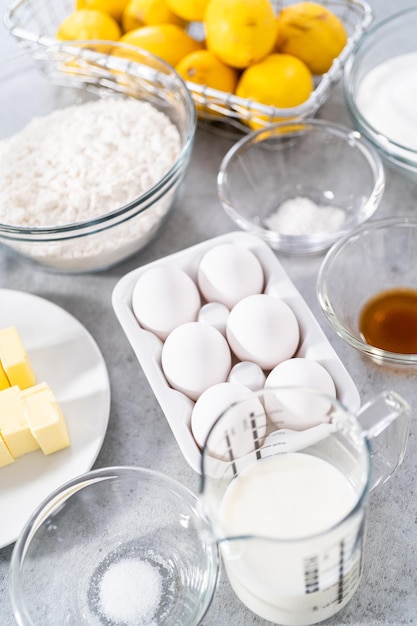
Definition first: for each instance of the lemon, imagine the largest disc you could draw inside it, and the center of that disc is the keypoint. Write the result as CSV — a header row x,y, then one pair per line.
x,y
114,8
240,32
280,80
190,10
88,24
312,33
204,68
147,13
167,41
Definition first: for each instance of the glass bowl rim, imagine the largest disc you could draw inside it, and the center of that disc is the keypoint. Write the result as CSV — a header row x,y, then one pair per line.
x,y
378,354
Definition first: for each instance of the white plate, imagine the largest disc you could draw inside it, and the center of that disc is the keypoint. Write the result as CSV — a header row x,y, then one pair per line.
x,y
176,406
64,355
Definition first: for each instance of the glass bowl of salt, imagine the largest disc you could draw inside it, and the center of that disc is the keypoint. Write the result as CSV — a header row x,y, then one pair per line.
x,y
301,185
122,545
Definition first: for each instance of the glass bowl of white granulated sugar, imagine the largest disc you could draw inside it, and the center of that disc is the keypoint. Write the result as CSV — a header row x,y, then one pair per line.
x,y
94,146
380,84
301,185
122,545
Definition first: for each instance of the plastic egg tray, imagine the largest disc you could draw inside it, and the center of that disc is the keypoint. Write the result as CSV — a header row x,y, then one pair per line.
x,y
176,406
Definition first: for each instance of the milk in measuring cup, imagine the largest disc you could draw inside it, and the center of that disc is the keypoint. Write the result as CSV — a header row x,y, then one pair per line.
x,y
313,567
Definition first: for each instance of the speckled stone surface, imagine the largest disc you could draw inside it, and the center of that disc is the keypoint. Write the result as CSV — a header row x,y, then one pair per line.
x,y
138,433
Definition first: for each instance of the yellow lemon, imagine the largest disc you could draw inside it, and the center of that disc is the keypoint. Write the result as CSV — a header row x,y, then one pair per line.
x,y
279,80
88,24
240,32
147,13
190,10
114,8
204,68
167,41
312,33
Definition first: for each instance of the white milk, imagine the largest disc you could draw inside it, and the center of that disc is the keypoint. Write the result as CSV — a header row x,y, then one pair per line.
x,y
300,574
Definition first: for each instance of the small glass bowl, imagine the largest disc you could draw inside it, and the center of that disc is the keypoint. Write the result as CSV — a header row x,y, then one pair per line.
x,y
121,545
308,160
384,41
378,256
71,73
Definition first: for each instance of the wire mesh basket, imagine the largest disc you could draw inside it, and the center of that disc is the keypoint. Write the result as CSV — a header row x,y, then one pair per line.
x,y
34,24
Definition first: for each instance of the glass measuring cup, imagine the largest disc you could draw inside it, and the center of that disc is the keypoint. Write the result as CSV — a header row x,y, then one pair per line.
x,y
288,507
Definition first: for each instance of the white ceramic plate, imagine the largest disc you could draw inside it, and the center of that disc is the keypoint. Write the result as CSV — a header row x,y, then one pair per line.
x,y
63,354
176,406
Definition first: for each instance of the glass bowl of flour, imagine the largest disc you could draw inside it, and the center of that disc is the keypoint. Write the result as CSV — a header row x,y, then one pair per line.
x,y
94,146
291,184
380,85
122,545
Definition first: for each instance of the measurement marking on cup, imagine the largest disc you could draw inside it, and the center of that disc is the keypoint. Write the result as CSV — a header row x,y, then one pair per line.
x,y
255,435
341,572
311,575
231,456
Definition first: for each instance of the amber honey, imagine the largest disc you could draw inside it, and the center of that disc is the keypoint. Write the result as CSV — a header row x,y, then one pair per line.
x,y
389,321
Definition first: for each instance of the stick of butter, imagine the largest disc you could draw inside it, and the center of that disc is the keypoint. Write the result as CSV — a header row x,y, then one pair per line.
x,y
14,426
45,418
14,359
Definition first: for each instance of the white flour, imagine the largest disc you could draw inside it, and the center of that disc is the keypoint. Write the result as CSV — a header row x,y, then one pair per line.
x,y
81,162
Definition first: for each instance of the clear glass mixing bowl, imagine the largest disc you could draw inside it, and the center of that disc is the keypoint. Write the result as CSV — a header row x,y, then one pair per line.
x,y
312,160
121,545
379,256
73,73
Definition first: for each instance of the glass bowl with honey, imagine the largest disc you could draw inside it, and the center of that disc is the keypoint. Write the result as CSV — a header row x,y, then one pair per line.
x,y
367,289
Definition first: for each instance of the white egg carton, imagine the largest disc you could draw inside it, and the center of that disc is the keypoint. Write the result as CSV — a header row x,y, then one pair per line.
x,y
176,406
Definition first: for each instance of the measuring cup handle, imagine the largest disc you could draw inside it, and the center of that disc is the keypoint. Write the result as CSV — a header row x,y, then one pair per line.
x,y
387,435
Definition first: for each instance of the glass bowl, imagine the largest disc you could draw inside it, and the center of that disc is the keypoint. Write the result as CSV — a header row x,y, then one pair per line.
x,y
122,545
138,200
309,165
380,91
378,257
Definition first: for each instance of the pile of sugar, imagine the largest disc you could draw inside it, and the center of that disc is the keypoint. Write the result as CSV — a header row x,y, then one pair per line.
x,y
301,216
83,161
130,593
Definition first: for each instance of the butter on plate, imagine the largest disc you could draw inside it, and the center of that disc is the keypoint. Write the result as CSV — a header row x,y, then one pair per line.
x,y
30,416
14,426
14,360
45,418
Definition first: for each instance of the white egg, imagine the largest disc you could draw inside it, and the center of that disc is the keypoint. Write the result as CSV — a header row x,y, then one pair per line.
x,y
248,374
215,314
194,357
263,329
295,409
242,426
163,298
228,273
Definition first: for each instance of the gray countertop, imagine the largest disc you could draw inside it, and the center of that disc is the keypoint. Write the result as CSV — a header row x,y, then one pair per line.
x,y
138,433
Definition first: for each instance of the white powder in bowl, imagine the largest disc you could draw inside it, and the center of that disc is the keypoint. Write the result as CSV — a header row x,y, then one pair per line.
x,y
302,216
79,163
83,161
130,592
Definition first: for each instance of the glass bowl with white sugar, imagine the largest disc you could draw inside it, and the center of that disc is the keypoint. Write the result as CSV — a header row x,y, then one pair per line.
x,y
122,545
301,185
94,146
380,85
